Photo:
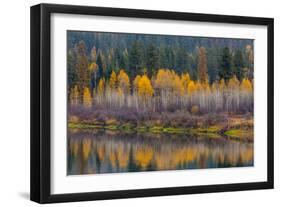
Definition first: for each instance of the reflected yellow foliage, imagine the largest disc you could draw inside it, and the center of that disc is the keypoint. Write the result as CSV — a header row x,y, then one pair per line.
x,y
74,147
143,156
171,155
112,157
122,156
247,155
101,152
86,148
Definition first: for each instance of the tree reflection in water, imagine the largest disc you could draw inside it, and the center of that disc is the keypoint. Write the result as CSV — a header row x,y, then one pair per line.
x,y
99,151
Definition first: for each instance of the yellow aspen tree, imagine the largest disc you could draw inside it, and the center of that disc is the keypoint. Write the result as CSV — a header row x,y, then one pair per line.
x,y
120,95
178,88
75,95
185,79
123,81
191,88
222,85
87,99
206,88
198,86
101,86
161,79
215,86
93,69
246,86
145,89
165,79
113,80
120,92
233,83
136,82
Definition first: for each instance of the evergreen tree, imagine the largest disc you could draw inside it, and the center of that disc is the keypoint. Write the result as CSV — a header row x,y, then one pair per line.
x,y
238,65
94,54
135,58
81,68
71,73
101,65
213,64
225,65
181,60
153,59
124,61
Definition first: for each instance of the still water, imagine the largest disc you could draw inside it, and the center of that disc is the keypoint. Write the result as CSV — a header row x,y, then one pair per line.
x,y
101,151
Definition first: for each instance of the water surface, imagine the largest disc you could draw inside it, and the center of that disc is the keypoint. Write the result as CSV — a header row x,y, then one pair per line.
x,y
106,151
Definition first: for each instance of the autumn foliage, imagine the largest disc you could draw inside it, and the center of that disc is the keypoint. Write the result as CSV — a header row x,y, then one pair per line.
x,y
168,91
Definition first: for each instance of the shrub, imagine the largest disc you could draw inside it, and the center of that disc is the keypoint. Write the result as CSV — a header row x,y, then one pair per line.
x,y
194,109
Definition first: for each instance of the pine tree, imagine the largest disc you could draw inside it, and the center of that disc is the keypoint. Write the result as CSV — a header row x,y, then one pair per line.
x,y
81,67
225,65
249,61
71,73
238,65
124,62
153,58
135,58
213,64
94,54
93,68
101,62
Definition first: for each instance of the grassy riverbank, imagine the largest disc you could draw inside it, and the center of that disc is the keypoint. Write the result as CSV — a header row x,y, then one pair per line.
x,y
235,126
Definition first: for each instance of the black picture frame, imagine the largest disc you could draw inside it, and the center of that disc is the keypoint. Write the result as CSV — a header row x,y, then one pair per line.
x,y
41,99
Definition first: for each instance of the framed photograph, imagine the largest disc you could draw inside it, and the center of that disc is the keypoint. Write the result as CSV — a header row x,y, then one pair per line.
x,y
133,103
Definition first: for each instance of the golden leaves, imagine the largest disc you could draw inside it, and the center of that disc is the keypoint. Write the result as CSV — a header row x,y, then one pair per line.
x,y
143,156
123,81
87,99
113,80
145,89
101,86
246,85
191,88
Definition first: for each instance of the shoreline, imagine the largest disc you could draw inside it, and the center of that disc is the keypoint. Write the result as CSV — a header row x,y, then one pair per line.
x,y
210,132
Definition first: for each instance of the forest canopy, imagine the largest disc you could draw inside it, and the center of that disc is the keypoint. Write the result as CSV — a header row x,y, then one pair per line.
x,y
160,71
